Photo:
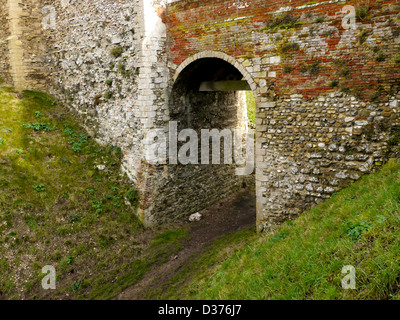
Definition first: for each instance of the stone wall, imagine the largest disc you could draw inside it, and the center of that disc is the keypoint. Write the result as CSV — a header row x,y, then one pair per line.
x,y
22,45
95,64
325,85
108,62
313,147
307,43
34,48
5,77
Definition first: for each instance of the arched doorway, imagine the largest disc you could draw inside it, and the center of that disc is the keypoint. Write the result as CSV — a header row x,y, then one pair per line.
x,y
208,115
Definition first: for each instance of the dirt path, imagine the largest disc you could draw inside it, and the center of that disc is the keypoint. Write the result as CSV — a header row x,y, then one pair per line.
x,y
234,213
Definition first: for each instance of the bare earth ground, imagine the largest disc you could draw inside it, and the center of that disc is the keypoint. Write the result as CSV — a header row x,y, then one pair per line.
x,y
235,213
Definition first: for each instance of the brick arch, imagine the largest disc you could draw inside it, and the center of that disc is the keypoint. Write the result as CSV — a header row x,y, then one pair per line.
x,y
255,89
217,55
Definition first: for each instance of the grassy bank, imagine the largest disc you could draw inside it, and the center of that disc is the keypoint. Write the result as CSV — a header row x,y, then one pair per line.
x,y
64,202
359,226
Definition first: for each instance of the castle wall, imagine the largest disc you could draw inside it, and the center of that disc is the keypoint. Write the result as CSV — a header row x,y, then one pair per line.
x,y
326,82
5,77
22,45
107,61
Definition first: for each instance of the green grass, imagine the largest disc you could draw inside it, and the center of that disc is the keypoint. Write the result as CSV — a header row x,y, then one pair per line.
x,y
251,107
164,245
359,226
57,208
362,11
188,280
117,51
283,21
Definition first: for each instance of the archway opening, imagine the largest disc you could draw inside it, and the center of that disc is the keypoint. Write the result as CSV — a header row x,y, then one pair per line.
x,y
213,103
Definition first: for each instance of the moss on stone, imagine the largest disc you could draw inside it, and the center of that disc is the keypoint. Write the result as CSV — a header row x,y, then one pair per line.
x,y
117,51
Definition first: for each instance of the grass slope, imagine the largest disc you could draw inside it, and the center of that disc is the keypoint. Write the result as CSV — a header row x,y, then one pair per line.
x,y
59,208
359,226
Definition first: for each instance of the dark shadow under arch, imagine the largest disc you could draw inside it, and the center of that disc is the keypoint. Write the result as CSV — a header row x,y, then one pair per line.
x,y
190,188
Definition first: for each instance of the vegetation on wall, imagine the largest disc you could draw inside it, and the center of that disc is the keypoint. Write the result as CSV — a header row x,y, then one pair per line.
x,y
251,107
